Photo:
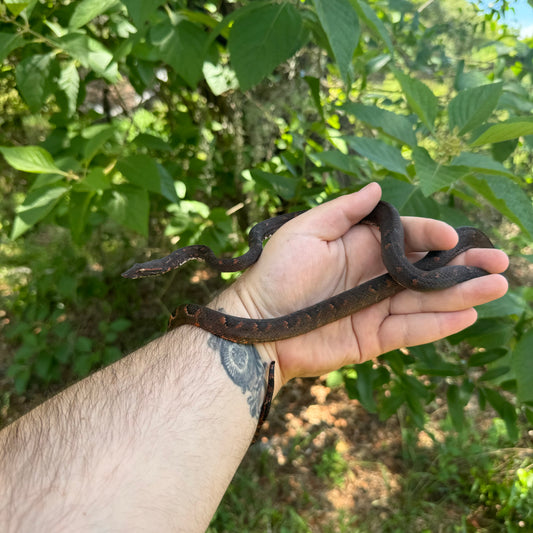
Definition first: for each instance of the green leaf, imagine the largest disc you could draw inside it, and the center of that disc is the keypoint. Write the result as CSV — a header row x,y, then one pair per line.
x,y
95,180
96,135
8,43
415,407
494,373
46,180
314,88
390,405
486,357
510,129
91,54
35,207
143,171
396,126
380,152
33,80
420,98
282,185
120,324
33,159
472,107
481,163
339,161
485,333
522,364
364,384
16,7
87,10
434,176
507,197
505,410
130,206
443,369
263,38
141,10
455,406
83,363
69,83
84,344
79,203
508,305
181,46
398,192
152,142
374,23
341,26
21,376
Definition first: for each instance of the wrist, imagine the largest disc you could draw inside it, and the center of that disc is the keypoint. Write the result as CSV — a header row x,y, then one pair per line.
x,y
237,302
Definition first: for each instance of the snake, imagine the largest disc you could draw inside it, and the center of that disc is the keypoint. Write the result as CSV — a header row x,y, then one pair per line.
x,y
430,273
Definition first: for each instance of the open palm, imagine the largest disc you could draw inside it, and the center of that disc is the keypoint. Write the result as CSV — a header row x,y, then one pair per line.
x,y
324,252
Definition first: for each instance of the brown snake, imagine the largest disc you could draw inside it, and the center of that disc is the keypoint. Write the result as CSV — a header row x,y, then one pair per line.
x,y
430,273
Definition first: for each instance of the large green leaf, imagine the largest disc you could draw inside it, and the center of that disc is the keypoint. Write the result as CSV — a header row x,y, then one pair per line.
x,y
33,159
282,185
456,406
86,10
35,207
505,410
33,76
522,363
314,88
8,43
69,83
181,46
504,131
96,136
341,25
486,333
420,98
507,197
79,203
92,54
95,180
481,163
368,15
380,152
508,305
263,38
396,126
143,171
130,206
16,7
141,10
472,107
365,379
432,175
339,161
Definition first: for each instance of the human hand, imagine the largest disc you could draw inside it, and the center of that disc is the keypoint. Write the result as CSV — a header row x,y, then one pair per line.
x,y
324,252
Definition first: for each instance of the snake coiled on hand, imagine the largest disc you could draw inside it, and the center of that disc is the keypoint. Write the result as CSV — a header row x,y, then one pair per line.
x,y
428,274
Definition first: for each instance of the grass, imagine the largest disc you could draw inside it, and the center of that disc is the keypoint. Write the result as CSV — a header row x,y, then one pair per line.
x,y
321,480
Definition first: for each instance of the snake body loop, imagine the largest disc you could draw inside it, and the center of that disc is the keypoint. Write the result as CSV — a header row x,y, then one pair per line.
x,y
430,273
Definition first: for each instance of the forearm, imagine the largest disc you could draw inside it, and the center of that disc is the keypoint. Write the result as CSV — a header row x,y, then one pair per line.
x,y
151,441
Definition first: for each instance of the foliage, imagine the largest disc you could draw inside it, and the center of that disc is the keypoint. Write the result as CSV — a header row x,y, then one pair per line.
x,y
475,480
145,123
494,478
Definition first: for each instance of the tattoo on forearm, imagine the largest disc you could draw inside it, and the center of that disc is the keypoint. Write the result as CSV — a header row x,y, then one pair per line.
x,y
245,368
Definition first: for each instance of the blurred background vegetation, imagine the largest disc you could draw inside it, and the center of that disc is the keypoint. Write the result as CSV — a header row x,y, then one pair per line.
x,y
130,128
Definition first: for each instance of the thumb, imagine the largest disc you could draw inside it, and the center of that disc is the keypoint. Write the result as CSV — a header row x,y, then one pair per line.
x,y
333,219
